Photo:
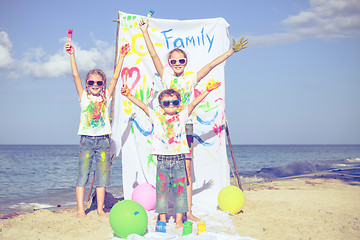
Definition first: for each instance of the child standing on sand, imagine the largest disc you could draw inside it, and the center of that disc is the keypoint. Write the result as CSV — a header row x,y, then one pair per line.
x,y
169,144
94,129
185,84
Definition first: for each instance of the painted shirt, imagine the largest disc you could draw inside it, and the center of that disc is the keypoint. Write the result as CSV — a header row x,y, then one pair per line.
x,y
94,117
184,84
169,136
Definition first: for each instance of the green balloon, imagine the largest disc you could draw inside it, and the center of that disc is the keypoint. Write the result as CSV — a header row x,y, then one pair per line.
x,y
128,217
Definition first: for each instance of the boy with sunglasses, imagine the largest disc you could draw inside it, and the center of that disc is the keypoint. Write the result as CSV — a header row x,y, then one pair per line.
x,y
170,145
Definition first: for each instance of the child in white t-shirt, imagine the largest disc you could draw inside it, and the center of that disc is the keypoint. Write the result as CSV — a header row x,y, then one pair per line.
x,y
170,145
94,129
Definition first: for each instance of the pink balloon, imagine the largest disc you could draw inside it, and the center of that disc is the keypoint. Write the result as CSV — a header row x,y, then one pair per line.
x,y
145,194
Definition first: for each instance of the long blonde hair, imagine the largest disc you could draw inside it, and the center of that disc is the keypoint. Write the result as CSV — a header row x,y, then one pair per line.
x,y
103,77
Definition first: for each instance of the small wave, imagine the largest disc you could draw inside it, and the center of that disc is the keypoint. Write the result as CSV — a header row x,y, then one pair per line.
x,y
30,206
352,160
292,169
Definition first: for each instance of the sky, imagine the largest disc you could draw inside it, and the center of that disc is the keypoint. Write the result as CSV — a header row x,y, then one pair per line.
x,y
298,82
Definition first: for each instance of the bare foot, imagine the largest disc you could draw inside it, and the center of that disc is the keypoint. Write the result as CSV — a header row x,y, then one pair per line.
x,y
80,215
179,224
102,213
191,217
162,218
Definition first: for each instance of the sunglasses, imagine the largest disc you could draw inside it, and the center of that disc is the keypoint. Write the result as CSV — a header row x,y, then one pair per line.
x,y
181,61
91,82
175,103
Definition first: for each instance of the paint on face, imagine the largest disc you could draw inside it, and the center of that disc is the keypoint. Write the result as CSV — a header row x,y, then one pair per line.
x,y
162,181
179,185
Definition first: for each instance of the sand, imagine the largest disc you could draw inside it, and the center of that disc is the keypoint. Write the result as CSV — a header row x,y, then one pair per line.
x,y
317,206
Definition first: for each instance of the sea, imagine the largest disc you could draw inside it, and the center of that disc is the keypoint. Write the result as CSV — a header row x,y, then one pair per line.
x,y
43,176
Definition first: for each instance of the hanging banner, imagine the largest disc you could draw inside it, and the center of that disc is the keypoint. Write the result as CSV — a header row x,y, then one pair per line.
x,y
203,40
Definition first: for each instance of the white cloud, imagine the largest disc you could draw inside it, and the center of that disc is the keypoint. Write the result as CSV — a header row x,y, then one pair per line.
x,y
39,64
6,60
325,19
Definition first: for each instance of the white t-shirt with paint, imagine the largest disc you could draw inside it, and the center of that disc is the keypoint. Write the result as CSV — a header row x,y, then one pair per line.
x,y
94,117
169,136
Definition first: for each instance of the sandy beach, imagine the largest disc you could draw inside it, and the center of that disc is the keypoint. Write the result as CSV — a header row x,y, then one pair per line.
x,y
317,206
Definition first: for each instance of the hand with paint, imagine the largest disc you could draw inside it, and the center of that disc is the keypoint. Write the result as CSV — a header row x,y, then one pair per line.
x,y
144,23
125,91
237,46
69,48
125,49
212,85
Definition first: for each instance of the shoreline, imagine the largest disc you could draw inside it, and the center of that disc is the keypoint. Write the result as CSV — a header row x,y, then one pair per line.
x,y
322,205
348,174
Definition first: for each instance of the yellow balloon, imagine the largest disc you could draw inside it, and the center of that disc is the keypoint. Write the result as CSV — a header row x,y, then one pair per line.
x,y
231,199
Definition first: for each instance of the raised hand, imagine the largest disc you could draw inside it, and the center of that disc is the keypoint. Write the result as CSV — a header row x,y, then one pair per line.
x,y
125,49
144,23
69,48
212,85
125,91
237,46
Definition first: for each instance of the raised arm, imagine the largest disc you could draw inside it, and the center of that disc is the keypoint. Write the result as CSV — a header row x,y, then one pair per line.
x,y
237,46
123,51
126,92
79,87
209,87
150,46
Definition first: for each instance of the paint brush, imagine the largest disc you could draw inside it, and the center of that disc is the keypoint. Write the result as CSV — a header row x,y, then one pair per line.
x,y
125,78
151,12
70,32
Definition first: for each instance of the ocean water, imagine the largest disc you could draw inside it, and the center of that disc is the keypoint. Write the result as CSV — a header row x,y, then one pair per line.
x,y
44,176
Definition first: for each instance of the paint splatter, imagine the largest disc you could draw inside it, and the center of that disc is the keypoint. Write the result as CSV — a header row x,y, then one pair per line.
x,y
141,130
94,114
179,185
161,178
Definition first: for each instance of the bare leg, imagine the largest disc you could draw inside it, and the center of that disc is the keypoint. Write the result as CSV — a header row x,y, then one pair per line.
x,y
162,217
80,194
189,188
100,197
179,222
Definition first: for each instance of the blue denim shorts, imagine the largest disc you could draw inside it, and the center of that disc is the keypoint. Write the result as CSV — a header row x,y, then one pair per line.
x,y
94,150
171,175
